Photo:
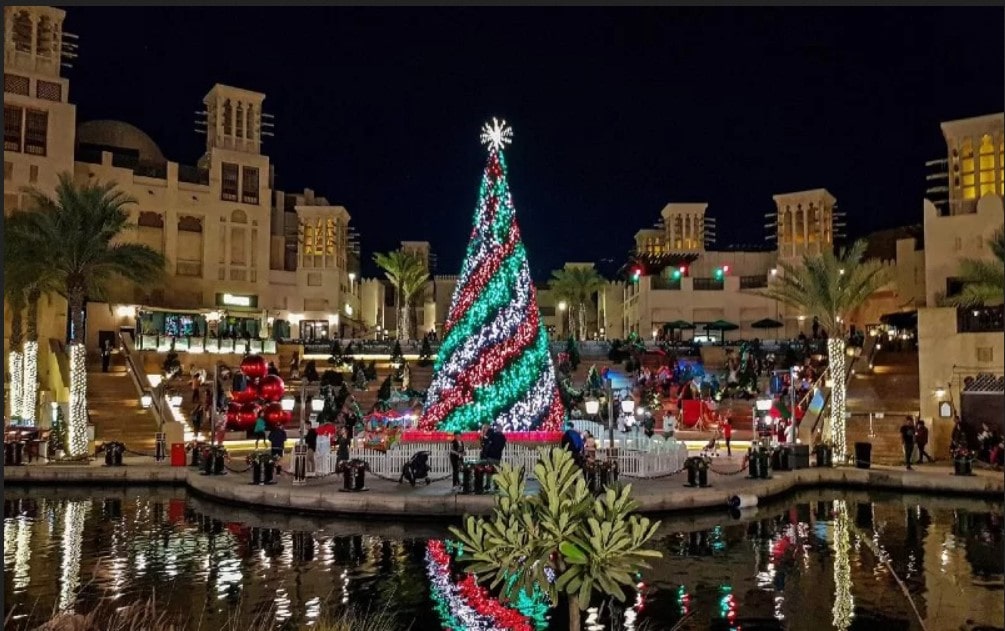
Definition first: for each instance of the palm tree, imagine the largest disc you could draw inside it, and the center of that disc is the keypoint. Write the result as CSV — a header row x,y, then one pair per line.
x,y
982,278
78,228
830,287
33,277
560,540
576,285
14,291
407,274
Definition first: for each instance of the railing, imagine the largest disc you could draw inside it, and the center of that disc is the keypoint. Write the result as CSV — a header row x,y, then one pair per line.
x,y
707,284
659,282
980,320
159,404
193,175
753,282
205,344
390,464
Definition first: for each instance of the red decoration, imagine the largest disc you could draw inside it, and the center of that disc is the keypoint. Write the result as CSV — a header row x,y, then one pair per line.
x,y
254,366
248,395
274,416
248,414
233,410
271,388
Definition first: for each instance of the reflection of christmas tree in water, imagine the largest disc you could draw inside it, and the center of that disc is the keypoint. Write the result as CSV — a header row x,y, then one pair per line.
x,y
494,364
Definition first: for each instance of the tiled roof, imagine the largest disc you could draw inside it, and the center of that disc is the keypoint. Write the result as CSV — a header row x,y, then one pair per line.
x,y
986,383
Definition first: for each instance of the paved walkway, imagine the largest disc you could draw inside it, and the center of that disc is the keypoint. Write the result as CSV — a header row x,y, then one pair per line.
x,y
384,497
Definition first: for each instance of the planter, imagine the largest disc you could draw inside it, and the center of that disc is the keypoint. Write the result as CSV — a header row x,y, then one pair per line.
x,y
270,473
863,455
13,454
825,456
963,465
113,455
196,456
256,472
757,465
206,463
697,472
593,479
347,481
353,477
467,479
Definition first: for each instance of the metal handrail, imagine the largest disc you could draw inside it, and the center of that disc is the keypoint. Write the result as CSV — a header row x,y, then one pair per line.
x,y
142,383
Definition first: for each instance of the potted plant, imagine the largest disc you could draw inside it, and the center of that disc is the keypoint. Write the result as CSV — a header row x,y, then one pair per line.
x,y
263,467
697,471
483,477
214,460
113,453
195,447
963,461
608,472
353,474
825,454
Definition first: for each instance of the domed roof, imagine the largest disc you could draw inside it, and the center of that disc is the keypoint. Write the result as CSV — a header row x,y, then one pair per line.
x,y
110,133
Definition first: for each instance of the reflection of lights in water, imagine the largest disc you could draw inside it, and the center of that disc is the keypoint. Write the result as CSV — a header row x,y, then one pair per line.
x,y
229,575
312,610
779,606
22,553
593,620
9,537
766,579
116,569
73,534
141,564
345,586
171,565
282,605
844,602
288,549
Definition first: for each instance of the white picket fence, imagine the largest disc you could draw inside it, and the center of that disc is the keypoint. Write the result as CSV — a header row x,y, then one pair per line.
x,y
634,464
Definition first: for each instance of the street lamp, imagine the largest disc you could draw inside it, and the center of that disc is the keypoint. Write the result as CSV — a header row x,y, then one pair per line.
x,y
288,403
592,407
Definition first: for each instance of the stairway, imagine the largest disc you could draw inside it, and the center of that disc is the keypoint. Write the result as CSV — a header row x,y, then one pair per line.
x,y
115,411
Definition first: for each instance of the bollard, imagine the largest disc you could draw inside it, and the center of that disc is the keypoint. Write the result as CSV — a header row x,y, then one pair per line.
x,y
299,464
753,465
692,476
160,447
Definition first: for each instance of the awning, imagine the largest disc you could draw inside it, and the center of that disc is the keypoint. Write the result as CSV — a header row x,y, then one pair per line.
x,y
142,308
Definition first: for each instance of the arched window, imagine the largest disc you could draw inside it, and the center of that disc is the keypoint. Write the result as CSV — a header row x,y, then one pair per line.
x,y
967,174
239,128
238,216
22,32
43,37
188,223
986,160
149,219
228,118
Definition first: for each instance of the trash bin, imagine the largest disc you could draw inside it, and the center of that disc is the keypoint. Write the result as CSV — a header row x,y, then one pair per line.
x,y
178,454
863,455
799,458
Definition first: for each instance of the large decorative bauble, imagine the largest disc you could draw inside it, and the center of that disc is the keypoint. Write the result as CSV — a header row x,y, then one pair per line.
x,y
271,388
274,416
249,414
287,417
254,366
233,410
248,395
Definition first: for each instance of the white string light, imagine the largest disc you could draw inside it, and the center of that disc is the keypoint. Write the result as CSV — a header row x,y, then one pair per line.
x,y
77,426
15,364
29,388
844,602
836,359
496,134
73,537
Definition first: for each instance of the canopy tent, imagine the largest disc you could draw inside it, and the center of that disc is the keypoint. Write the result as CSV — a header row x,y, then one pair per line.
x,y
767,323
722,326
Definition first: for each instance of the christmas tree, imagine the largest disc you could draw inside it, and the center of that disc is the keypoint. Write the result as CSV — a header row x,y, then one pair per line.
x,y
494,364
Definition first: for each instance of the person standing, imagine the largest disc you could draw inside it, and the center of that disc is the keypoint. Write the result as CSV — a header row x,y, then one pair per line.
x,y
959,437
311,440
277,440
921,438
197,416
106,356
907,435
457,452
590,447
493,443
727,434
572,442
196,387
342,454
259,430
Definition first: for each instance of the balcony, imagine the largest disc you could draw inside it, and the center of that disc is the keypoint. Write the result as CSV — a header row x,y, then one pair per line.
x,y
980,319
708,284
754,282
659,282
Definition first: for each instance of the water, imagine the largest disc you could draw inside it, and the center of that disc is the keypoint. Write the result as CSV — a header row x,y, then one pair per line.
x,y
68,549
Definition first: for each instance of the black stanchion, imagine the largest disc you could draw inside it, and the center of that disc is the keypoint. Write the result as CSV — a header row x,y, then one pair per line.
x,y
467,479
825,456
160,447
196,455
256,472
299,464
219,464
269,472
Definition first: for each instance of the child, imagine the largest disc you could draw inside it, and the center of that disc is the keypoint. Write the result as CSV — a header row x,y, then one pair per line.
x,y
259,431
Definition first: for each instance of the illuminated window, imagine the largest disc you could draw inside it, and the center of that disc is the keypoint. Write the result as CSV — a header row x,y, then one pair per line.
x,y
1001,167
987,166
967,169
228,190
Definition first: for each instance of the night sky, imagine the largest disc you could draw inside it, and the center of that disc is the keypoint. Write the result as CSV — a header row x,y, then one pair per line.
x,y
616,111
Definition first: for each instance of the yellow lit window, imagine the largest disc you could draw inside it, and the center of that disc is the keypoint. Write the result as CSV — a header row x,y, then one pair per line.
x,y
1001,167
967,169
987,164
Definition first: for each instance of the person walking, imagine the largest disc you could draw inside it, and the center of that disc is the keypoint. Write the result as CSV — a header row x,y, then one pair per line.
x,y
921,438
590,447
196,387
197,416
727,434
259,430
106,356
457,452
907,435
277,441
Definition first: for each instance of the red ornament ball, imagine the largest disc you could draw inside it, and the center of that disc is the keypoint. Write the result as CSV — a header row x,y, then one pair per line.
x,y
249,414
248,395
254,366
272,388
233,411
274,414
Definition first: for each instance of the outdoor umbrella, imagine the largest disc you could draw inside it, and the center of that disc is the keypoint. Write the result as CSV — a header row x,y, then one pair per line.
x,y
678,325
721,325
767,323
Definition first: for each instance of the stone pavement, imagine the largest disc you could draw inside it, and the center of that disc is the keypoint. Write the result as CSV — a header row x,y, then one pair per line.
x,y
388,498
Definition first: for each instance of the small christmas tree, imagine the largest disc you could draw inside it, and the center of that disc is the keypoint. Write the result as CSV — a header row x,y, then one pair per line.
x,y
425,353
494,365
572,350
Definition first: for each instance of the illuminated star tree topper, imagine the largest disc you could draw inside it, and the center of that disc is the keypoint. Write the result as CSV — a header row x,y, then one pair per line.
x,y
496,134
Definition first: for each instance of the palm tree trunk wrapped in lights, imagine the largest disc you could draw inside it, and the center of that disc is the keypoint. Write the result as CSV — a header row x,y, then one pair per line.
x,y
14,292
79,230
838,422
844,602
29,388
15,365
830,287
